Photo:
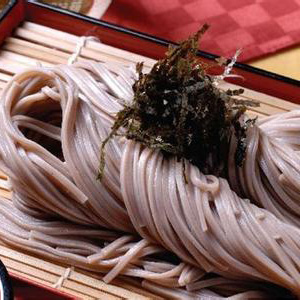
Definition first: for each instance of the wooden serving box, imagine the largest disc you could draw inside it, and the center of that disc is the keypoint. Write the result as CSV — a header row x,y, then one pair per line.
x,y
32,32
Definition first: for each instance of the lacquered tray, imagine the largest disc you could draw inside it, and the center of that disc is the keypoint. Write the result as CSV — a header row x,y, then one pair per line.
x,y
24,42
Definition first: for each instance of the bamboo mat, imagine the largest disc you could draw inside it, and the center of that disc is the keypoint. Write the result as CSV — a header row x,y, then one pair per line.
x,y
30,45
3,3
79,6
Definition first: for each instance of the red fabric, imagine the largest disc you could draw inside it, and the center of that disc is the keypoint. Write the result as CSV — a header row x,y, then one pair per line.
x,y
258,26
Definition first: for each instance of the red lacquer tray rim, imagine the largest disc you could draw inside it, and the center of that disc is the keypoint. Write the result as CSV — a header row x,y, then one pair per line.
x,y
253,78
163,42
274,79
256,79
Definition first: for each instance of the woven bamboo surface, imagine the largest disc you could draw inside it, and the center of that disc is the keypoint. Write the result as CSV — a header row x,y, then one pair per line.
x,y
79,6
33,43
3,3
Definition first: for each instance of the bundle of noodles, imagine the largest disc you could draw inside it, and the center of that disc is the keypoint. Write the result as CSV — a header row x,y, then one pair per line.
x,y
270,175
44,106
66,186
52,122
103,250
205,223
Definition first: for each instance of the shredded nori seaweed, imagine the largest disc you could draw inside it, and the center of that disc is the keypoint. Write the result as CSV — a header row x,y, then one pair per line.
x,y
178,109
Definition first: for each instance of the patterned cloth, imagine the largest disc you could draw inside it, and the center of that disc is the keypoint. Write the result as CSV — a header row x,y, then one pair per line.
x,y
258,26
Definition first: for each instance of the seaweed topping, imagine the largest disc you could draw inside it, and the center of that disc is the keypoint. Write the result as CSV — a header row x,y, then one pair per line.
x,y
178,108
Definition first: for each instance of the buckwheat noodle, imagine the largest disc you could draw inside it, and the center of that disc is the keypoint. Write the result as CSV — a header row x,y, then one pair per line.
x,y
52,121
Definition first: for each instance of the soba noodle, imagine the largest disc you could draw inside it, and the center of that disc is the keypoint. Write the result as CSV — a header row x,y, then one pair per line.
x,y
270,176
51,125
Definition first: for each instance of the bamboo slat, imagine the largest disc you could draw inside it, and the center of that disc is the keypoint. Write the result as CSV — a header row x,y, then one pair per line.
x,y
33,44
